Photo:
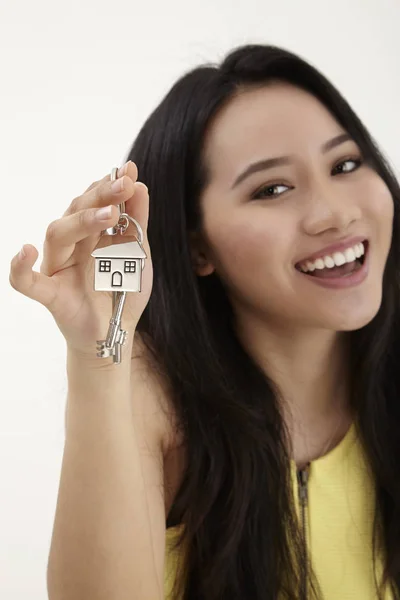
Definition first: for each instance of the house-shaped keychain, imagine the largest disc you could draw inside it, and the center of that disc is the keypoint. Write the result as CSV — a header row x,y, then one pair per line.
x,y
119,267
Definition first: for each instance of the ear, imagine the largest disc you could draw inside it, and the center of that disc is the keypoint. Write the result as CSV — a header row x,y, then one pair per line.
x,y
202,265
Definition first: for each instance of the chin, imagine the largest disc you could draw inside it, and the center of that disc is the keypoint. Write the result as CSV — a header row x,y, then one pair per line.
x,y
353,317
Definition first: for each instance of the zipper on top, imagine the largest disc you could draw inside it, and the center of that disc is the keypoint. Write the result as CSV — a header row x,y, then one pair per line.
x,y
302,480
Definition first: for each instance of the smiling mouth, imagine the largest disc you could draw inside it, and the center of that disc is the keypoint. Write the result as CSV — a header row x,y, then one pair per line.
x,y
339,270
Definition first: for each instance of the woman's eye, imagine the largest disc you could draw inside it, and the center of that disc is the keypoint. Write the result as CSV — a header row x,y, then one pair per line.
x,y
356,161
268,189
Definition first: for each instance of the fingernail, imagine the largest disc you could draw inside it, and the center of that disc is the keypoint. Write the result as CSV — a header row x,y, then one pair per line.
x,y
104,213
117,186
22,253
123,170
142,184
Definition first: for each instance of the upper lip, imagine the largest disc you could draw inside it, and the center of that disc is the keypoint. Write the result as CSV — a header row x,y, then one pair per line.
x,y
338,247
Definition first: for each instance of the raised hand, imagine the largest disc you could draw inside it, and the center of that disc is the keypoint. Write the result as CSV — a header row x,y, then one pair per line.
x,y
65,283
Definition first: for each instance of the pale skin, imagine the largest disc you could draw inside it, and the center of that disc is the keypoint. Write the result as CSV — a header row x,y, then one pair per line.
x,y
292,328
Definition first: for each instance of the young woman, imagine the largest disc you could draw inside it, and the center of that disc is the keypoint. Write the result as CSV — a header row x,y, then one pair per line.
x,y
250,448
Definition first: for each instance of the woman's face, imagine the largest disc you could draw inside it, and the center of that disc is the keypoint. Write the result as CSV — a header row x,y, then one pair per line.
x,y
258,229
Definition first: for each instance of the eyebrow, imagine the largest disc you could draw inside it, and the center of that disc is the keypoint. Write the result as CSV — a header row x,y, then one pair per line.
x,y
263,165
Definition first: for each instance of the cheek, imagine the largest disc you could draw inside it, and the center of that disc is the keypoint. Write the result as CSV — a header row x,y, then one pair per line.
x,y
379,201
251,246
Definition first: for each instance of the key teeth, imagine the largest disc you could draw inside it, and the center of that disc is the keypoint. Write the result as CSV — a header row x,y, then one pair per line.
x,y
103,354
102,350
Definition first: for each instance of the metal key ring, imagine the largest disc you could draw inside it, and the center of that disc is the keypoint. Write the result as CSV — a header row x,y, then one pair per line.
x,y
123,228
114,230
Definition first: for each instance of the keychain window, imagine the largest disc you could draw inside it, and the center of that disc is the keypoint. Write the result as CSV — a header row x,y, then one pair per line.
x,y
105,266
130,266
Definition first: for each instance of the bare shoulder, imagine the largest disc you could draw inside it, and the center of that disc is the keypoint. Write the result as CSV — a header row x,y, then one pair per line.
x,y
152,393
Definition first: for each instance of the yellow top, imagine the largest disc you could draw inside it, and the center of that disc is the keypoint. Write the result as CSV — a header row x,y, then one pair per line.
x,y
339,524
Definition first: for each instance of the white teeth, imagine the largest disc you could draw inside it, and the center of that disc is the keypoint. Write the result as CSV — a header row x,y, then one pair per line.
x,y
336,259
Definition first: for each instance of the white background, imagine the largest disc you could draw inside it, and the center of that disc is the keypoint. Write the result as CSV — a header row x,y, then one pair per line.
x,y
77,81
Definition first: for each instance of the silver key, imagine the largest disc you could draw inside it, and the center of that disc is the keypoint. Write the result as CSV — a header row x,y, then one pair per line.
x,y
118,268
115,321
116,336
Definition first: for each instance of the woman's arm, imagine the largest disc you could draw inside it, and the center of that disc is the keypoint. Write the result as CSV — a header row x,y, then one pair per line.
x,y
109,531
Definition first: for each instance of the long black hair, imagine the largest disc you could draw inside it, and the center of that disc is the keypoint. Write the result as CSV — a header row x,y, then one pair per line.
x,y
236,499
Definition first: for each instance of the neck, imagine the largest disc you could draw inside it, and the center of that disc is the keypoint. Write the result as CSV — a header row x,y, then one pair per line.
x,y
310,368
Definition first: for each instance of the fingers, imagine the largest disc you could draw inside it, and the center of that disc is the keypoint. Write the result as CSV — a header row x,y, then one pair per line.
x,y
80,228
101,193
63,234
34,285
130,169
61,244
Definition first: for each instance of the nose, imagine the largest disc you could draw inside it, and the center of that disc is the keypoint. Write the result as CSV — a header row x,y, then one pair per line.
x,y
329,210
